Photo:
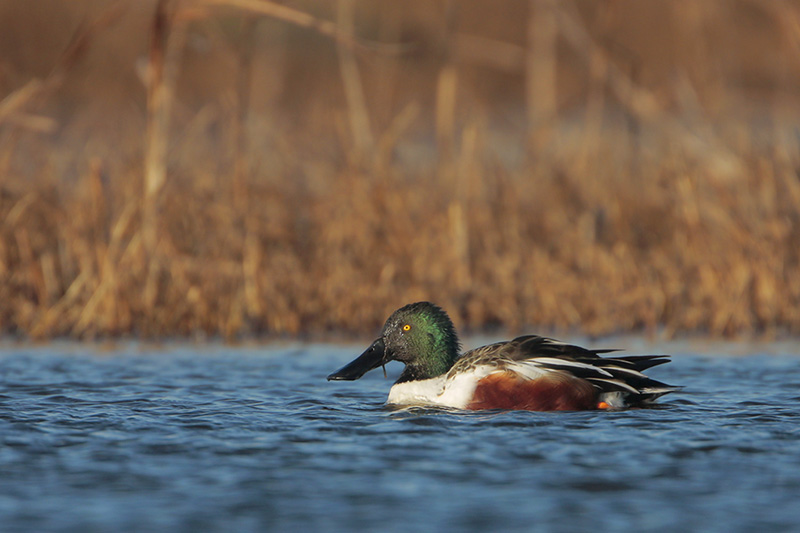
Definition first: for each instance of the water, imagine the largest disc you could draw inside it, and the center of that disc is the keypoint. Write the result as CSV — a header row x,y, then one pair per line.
x,y
184,438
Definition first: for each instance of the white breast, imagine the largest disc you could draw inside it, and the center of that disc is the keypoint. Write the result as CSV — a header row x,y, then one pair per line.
x,y
456,392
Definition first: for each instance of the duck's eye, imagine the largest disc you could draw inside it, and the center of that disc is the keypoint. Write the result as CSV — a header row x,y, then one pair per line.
x,y
407,327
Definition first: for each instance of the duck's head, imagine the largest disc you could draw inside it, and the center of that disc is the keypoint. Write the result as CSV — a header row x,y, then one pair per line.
x,y
421,335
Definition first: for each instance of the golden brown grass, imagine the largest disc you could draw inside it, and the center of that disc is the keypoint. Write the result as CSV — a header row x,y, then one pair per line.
x,y
350,175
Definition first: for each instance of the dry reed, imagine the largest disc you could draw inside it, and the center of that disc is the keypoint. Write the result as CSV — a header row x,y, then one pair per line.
x,y
639,210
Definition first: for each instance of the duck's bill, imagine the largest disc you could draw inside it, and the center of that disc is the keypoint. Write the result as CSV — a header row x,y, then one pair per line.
x,y
373,357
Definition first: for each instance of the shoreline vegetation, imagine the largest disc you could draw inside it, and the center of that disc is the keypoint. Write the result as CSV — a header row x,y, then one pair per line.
x,y
247,169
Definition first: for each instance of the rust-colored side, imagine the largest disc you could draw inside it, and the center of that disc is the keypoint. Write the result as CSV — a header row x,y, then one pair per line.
x,y
556,392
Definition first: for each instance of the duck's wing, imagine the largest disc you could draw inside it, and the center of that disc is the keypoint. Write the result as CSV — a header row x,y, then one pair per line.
x,y
532,355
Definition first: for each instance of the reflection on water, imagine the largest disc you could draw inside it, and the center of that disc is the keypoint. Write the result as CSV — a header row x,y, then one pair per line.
x,y
240,439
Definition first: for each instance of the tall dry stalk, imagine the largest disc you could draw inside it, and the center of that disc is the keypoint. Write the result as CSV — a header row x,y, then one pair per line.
x,y
540,73
358,113
446,91
167,36
243,85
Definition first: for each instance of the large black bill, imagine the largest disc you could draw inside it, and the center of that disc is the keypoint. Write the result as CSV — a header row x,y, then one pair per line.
x,y
373,357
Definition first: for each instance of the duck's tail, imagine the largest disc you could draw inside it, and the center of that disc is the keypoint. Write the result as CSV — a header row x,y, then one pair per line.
x,y
621,380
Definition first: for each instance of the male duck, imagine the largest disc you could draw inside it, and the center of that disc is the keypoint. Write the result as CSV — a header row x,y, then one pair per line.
x,y
530,372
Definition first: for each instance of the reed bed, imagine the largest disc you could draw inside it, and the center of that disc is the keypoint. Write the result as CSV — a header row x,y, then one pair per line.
x,y
332,186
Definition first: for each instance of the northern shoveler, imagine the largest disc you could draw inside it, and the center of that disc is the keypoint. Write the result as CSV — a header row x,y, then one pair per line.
x,y
530,372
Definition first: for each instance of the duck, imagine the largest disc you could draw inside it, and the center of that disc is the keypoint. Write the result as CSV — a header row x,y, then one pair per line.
x,y
529,372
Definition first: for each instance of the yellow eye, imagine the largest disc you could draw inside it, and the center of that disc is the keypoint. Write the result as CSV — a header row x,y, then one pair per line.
x,y
407,327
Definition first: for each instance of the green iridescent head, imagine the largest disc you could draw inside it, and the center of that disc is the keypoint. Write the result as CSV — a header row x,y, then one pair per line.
x,y
421,335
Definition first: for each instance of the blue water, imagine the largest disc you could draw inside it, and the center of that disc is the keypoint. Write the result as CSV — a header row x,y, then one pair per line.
x,y
187,438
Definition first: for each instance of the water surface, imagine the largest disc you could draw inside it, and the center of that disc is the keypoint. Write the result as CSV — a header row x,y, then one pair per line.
x,y
188,438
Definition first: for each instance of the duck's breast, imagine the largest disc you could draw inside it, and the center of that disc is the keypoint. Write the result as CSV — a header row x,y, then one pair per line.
x,y
419,392
442,391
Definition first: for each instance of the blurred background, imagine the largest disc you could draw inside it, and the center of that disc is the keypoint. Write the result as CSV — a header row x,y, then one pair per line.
x,y
242,168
